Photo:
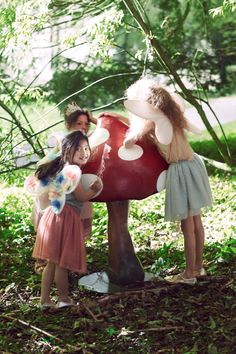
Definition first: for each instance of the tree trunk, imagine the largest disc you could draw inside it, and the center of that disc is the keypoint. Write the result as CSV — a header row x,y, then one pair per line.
x,y
166,63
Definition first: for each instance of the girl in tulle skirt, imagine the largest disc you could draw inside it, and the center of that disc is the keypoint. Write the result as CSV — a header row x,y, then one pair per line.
x,y
158,114
60,232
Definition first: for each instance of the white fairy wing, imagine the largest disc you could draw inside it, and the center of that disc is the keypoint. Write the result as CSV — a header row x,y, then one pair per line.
x,y
34,186
192,128
54,190
52,155
69,178
164,130
143,109
54,143
65,182
58,203
99,136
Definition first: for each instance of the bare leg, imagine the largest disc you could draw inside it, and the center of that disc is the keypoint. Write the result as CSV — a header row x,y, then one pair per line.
x,y
200,238
62,283
47,280
187,226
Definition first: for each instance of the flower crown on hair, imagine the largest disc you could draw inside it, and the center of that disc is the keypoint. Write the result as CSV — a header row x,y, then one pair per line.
x,y
71,108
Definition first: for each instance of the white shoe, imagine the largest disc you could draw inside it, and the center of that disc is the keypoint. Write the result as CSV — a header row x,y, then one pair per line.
x,y
62,304
46,306
200,273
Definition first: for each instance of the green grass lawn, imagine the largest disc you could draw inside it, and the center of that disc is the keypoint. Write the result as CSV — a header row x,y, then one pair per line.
x,y
157,318
229,129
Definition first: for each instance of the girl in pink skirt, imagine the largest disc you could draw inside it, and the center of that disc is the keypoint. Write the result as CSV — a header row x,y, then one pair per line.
x,y
60,233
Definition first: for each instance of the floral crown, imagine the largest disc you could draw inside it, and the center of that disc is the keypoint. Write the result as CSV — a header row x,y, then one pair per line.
x,y
71,108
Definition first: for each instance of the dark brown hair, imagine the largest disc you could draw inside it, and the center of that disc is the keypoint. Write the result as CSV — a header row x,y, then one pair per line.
x,y
163,100
69,146
72,118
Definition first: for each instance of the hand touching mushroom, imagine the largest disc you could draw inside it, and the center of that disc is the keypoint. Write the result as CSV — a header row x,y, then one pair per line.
x,y
96,186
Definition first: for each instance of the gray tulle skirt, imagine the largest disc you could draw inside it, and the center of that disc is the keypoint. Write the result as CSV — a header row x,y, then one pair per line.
x,y
187,189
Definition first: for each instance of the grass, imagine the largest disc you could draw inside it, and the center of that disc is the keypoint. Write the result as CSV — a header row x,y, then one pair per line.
x,y
229,129
158,318
155,319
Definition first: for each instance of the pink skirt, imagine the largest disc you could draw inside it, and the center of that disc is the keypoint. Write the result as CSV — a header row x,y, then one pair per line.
x,y
60,239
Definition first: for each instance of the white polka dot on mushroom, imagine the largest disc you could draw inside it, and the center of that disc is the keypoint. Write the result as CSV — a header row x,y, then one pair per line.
x,y
130,154
98,137
161,181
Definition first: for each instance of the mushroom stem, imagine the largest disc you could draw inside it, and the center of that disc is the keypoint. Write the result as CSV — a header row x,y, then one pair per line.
x,y
125,267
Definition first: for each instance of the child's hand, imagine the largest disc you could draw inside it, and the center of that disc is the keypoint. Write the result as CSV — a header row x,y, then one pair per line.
x,y
92,118
112,115
96,186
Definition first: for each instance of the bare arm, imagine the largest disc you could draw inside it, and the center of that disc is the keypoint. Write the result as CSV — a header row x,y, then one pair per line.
x,y
115,116
43,201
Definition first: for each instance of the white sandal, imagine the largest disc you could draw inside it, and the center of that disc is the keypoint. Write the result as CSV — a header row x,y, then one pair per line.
x,y
200,273
180,278
62,304
46,306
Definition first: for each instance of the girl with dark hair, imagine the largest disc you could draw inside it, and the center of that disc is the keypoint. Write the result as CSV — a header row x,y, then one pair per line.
x,y
75,119
60,233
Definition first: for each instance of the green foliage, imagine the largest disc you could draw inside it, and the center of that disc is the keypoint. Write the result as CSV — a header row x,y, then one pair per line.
x,y
208,149
228,5
222,252
142,321
197,45
31,95
16,239
102,32
19,21
97,95
7,19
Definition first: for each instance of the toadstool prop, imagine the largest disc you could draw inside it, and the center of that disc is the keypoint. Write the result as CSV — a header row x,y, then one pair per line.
x,y
133,173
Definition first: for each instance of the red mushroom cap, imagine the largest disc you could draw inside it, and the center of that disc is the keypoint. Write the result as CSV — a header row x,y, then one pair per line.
x,y
134,173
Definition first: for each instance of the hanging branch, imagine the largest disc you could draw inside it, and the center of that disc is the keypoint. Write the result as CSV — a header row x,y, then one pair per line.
x,y
165,59
36,77
25,133
199,84
219,123
18,104
76,93
23,113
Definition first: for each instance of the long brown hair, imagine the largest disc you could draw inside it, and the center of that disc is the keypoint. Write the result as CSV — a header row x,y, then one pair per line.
x,y
69,146
163,100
